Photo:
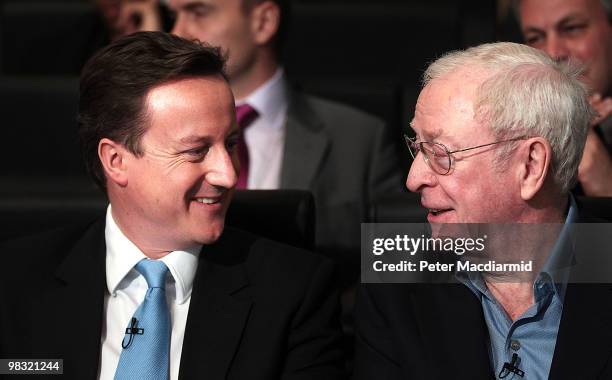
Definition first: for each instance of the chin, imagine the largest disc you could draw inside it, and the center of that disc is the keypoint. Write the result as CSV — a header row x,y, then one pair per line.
x,y
211,234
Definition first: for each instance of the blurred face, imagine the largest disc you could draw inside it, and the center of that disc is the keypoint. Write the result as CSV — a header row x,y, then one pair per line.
x,y
572,29
109,9
179,189
475,190
222,23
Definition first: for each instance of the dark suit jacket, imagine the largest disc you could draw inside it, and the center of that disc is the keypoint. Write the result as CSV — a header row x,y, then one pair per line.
x,y
438,331
259,310
346,158
408,331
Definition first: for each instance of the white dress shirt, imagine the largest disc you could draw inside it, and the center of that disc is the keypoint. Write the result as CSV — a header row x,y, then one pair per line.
x,y
265,137
126,291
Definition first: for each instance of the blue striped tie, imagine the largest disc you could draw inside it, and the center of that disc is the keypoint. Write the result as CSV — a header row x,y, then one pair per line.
x,y
146,344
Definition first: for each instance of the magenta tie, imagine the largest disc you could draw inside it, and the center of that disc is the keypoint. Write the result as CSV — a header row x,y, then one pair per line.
x,y
245,115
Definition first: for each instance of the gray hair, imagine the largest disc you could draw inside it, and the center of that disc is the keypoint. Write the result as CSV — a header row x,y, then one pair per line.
x,y
526,93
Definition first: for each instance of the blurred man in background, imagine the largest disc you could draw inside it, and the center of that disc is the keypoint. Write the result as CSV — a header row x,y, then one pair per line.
x,y
580,31
123,17
293,141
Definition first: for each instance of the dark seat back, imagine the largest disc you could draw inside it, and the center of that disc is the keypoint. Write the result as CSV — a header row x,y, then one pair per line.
x,y
283,215
591,207
48,37
39,128
287,216
398,208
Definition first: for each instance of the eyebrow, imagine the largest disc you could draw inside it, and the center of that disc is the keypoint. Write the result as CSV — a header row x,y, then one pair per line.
x,y
533,29
193,139
433,135
196,5
234,133
572,17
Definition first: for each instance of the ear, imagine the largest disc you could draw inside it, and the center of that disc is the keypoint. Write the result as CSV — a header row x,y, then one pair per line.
x,y
535,157
113,158
265,21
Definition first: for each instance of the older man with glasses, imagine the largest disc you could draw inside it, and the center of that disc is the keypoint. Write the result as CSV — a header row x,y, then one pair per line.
x,y
499,133
438,156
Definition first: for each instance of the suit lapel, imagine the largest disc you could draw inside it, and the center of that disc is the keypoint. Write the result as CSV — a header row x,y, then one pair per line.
x,y
218,311
451,318
585,332
305,145
68,315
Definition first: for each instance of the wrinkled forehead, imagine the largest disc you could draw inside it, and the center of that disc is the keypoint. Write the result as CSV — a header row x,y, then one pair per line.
x,y
446,104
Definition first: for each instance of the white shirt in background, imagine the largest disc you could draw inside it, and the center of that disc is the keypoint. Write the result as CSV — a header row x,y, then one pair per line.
x,y
265,137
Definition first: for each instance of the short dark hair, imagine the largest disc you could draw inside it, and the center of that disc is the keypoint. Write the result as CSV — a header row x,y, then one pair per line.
x,y
116,80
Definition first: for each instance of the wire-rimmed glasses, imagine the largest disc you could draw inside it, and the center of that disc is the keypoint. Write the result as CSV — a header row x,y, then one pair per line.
x,y
438,156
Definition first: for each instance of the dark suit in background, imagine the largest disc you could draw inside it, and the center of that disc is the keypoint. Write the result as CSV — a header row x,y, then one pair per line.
x,y
342,155
345,157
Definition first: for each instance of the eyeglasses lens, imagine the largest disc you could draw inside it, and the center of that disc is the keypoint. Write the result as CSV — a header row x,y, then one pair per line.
x,y
437,157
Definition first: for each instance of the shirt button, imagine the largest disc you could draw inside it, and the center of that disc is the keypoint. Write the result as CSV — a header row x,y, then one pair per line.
x,y
515,345
114,294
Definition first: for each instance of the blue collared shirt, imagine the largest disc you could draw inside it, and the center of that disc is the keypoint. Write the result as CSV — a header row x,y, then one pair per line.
x,y
534,334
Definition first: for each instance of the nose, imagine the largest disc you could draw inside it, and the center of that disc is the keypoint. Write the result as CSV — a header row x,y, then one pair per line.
x,y
557,48
420,175
223,170
179,27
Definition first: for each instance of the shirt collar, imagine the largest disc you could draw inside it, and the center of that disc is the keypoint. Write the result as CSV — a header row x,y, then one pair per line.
x,y
557,267
269,99
555,270
122,255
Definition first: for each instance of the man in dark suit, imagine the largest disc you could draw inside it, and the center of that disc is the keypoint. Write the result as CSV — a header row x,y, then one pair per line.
x,y
159,288
342,155
500,130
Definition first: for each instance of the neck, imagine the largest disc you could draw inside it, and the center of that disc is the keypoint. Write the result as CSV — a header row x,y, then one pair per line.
x,y
245,83
531,240
548,206
515,298
146,239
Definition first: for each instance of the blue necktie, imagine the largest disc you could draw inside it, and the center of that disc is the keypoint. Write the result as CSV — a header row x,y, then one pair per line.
x,y
146,344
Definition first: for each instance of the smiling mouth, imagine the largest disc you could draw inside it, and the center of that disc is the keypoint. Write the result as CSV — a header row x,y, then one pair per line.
x,y
208,201
436,212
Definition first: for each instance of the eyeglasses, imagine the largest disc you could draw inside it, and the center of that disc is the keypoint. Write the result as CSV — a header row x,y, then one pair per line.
x,y
437,155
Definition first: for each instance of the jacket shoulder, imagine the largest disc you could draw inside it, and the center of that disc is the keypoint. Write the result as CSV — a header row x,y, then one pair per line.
x,y
340,115
265,258
42,252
